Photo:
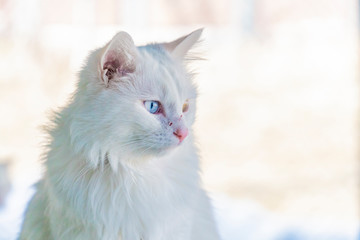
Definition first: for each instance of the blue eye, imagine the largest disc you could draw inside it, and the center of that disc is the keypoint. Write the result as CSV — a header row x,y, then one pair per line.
x,y
152,106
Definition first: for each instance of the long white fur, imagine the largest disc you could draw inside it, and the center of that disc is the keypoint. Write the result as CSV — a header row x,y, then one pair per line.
x,y
113,170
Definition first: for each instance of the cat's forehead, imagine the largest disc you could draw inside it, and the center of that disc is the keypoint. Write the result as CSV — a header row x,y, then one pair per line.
x,y
164,77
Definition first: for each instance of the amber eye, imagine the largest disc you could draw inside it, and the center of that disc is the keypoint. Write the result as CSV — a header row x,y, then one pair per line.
x,y
185,107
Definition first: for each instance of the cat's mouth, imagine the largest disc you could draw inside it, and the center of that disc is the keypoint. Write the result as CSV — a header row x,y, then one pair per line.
x,y
155,144
173,144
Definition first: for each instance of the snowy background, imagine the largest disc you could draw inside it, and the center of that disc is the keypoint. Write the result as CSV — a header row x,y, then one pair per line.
x,y
279,92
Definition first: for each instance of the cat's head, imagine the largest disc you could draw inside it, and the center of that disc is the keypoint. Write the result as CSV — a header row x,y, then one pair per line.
x,y
136,102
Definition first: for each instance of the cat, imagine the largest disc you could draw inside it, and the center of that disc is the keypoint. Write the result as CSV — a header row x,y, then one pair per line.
x,y
121,163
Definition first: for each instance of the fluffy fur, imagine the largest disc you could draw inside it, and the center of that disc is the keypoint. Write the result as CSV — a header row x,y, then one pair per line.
x,y
115,171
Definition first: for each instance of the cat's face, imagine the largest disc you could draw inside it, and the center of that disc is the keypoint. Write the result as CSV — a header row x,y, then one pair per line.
x,y
160,105
145,100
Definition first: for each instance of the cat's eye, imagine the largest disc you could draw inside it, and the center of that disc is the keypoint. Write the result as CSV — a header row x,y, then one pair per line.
x,y
185,106
153,107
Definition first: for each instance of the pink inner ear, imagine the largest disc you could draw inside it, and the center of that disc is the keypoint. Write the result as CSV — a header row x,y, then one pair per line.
x,y
111,65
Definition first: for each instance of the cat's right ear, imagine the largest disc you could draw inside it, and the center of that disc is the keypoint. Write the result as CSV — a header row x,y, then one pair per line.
x,y
118,58
180,47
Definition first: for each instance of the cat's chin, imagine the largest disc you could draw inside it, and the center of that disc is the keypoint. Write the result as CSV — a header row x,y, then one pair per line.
x,y
172,148
163,151
166,150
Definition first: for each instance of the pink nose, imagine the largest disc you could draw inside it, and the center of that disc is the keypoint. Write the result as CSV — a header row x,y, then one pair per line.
x,y
181,133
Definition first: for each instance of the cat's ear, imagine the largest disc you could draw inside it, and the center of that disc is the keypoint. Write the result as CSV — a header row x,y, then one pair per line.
x,y
181,46
118,58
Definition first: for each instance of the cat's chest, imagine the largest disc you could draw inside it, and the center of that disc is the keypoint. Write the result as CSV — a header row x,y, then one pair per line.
x,y
157,221
157,206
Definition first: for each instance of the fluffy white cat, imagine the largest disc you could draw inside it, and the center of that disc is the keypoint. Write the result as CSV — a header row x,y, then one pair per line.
x,y
121,161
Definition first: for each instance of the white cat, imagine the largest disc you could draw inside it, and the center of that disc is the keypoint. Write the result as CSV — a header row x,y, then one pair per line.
x,y
121,160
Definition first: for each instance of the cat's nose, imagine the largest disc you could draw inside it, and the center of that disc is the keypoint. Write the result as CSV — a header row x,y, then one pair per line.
x,y
181,133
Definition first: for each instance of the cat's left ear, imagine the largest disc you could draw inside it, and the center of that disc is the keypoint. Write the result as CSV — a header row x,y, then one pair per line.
x,y
181,46
118,58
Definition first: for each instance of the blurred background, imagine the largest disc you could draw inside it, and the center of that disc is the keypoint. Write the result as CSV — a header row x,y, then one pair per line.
x,y
277,112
